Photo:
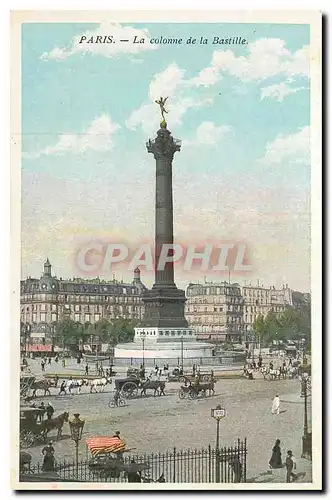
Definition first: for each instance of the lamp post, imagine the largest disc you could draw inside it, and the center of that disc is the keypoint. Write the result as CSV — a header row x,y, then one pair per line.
x,y
306,439
218,413
143,346
182,355
76,429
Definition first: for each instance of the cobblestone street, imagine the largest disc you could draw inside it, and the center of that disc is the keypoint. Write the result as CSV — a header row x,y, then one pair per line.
x,y
159,424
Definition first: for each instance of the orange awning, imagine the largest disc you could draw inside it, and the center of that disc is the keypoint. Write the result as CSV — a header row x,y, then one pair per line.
x,y
100,444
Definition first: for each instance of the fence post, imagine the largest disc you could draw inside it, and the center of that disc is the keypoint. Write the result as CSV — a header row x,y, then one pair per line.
x,y
245,461
174,465
209,464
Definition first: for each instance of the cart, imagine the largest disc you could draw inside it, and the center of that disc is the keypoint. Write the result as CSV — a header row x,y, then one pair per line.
x,y
107,457
29,428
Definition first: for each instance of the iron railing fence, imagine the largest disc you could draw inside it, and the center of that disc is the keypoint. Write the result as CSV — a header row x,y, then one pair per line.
x,y
207,465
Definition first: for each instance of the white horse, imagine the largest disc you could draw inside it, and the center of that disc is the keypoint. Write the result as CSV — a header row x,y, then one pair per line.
x,y
100,384
292,372
274,374
75,384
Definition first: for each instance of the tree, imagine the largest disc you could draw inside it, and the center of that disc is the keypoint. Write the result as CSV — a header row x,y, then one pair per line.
x,y
69,332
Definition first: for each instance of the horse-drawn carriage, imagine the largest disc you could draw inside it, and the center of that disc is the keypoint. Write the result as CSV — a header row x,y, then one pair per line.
x,y
178,375
128,387
34,428
26,383
30,429
107,458
197,388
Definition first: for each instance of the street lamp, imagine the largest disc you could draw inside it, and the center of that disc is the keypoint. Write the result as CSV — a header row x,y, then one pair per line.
x,y
143,341
218,413
306,439
76,429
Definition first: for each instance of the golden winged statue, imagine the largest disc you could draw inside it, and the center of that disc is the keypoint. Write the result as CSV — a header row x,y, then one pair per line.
x,y
161,103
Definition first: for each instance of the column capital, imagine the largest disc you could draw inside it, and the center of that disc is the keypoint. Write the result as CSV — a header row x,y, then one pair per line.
x,y
164,145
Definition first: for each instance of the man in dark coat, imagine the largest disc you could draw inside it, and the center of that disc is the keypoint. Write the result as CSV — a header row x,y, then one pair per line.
x,y
49,411
134,476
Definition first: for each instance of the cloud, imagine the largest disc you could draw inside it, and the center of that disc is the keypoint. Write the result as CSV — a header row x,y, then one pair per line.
x,y
294,148
170,82
208,134
279,91
97,137
266,58
104,46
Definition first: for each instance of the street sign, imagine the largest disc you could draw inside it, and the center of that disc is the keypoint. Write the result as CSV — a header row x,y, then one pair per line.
x,y
218,413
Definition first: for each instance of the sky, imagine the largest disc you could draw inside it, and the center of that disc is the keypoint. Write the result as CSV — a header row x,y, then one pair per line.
x,y
242,113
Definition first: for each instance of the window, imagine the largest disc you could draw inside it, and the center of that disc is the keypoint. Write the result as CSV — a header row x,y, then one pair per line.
x,y
43,307
42,317
53,307
87,318
97,317
77,309
54,316
77,317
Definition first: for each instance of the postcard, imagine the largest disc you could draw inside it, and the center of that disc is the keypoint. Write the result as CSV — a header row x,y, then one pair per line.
x,y
166,250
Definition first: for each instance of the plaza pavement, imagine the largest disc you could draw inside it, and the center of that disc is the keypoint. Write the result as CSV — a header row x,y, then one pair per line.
x,y
162,423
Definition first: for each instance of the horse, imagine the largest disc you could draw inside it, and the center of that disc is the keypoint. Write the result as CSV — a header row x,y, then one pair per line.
x,y
75,384
158,387
99,383
205,386
265,371
53,423
274,374
292,372
42,385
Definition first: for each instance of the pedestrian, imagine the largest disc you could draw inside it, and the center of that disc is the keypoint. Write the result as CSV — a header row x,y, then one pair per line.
x,y
64,362
87,369
97,368
194,369
42,410
275,405
260,361
290,466
62,388
42,365
49,360
48,453
49,411
134,476
271,365
275,460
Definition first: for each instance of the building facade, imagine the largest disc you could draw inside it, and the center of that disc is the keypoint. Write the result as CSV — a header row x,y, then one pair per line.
x,y
48,300
215,310
224,311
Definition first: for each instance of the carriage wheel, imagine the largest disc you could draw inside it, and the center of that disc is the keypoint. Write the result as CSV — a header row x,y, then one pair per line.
x,y
129,390
122,402
182,394
206,378
26,439
111,404
182,379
